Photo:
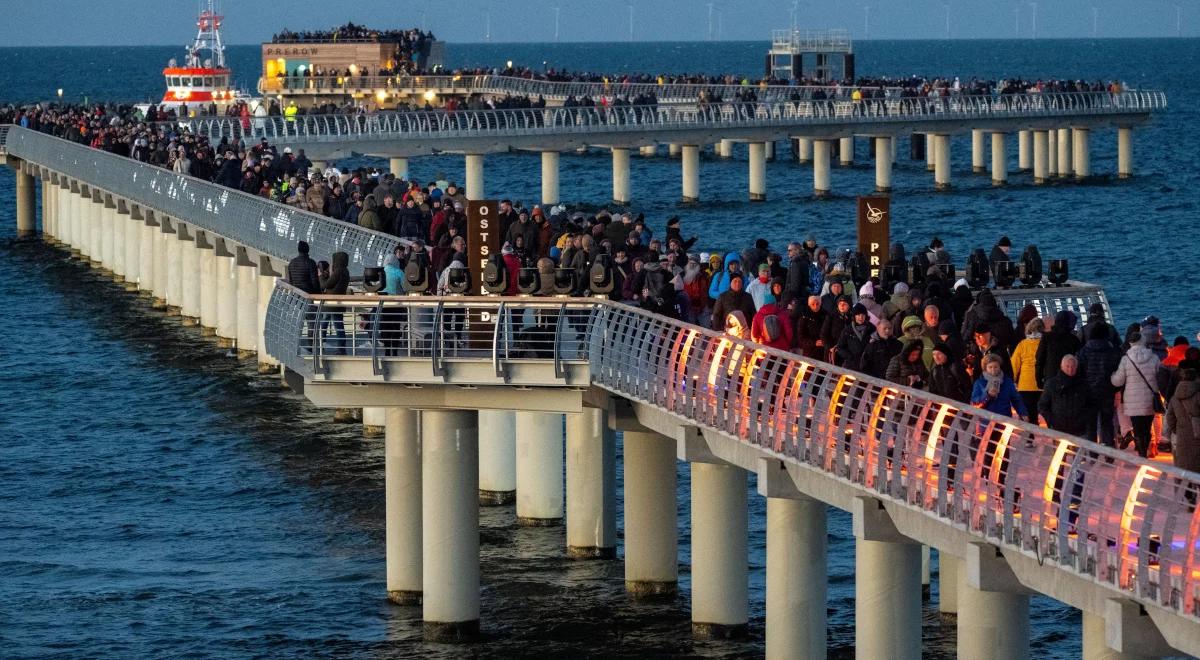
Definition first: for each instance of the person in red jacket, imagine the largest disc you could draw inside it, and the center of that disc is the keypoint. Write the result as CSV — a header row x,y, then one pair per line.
x,y
772,326
513,265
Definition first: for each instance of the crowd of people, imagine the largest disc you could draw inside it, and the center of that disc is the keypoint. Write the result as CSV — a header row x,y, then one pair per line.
x,y
410,55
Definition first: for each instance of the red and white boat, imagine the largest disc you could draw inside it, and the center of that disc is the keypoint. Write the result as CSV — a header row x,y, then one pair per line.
x,y
204,80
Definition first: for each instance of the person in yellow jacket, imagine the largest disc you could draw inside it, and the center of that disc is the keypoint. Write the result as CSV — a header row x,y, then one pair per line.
x,y
289,115
1024,365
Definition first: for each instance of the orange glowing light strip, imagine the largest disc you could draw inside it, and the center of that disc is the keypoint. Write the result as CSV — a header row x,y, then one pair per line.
x,y
751,365
834,403
998,457
723,345
939,423
883,396
1131,503
1055,465
1193,539
683,352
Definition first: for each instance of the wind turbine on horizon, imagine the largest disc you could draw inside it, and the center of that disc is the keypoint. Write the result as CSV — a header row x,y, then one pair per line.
x,y
557,12
1033,5
947,8
866,21
1095,21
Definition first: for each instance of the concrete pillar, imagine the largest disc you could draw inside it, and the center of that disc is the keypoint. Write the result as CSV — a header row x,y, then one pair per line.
x,y
725,148
1065,163
95,216
539,468
651,528
797,580
247,310
720,597
1041,157
648,151
690,158
1024,151
1124,152
226,284
398,167
132,244
47,209
147,239
474,188
373,421
174,265
949,567
450,524
189,266
941,174
804,150
999,160
887,581
991,625
883,164
591,486
266,363
26,205
108,243
770,150
497,457
402,502
758,171
926,575
550,178
620,175
821,181
978,164
1095,646
118,244
673,150
208,290
930,152
162,258
1052,153
846,151
1081,154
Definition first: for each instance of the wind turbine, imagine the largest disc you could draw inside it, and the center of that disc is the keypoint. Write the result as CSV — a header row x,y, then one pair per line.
x,y
710,21
557,11
1017,20
947,8
795,14
1095,21
720,24
1033,5
631,22
487,30
1178,21
866,21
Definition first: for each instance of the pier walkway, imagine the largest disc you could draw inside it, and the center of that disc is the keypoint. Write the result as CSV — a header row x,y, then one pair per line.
x,y
1013,509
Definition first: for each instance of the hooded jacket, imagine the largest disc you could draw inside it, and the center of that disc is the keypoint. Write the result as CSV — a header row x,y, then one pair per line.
x,y
729,302
720,281
338,280
1138,397
985,312
1060,341
878,354
1183,419
1067,404
1098,359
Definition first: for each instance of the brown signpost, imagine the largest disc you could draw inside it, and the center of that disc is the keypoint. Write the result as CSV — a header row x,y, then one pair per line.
x,y
483,240
874,225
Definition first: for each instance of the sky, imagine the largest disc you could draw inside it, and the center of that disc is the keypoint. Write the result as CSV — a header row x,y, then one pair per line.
x,y
171,22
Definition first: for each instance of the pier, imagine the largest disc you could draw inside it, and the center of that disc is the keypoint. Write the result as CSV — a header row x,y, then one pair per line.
x,y
1012,509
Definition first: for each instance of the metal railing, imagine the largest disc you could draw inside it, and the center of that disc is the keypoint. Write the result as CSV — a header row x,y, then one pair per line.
x,y
269,227
1123,522
790,115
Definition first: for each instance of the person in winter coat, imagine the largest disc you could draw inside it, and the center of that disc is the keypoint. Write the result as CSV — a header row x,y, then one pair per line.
x,y
720,281
1183,421
1098,359
796,282
1059,342
907,368
866,297
947,377
513,265
807,322
1024,364
302,271
913,330
695,285
880,351
733,300
393,272
829,300
835,324
854,338
1137,372
335,281
1067,403
759,286
986,313
898,307
995,390
1096,317
984,343
369,218
771,325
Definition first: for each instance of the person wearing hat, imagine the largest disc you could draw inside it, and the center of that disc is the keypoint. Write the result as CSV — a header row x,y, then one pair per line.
x,y
302,271
734,299
1024,364
1059,342
912,329
854,339
1097,317
1001,251
947,377
674,232
1137,373
1182,412
1152,333
880,351
835,324
995,390
984,343
907,368
759,286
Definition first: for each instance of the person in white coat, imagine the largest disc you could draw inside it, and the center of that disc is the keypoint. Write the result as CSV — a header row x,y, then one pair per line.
x,y
1138,374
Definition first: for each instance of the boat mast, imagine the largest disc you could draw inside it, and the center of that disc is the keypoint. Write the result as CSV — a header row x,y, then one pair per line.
x,y
208,37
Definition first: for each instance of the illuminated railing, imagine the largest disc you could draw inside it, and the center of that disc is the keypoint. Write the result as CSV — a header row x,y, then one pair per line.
x,y
1112,518
656,118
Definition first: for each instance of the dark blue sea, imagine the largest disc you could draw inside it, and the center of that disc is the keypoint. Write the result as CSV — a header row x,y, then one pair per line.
x,y
159,498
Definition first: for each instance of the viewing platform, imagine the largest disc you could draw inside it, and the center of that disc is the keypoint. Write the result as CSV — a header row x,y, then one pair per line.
x,y
472,394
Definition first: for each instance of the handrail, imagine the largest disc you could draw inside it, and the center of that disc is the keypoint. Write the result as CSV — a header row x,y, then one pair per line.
x,y
556,121
1122,522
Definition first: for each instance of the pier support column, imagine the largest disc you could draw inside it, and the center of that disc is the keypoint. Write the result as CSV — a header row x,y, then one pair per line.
x,y
991,625
999,160
725,148
247,310
1041,157
758,171
673,150
1081,154
108,239
1052,153
266,363
883,164
1065,163
226,284
47,209
821,179
398,167
1124,152
978,164
207,258
26,205
474,189
949,567
374,420
497,457
648,151
846,151
770,150
549,178
720,587
450,524
402,504
941,175
804,150
887,582
539,468
95,215
161,259
189,266
797,580
147,240
1024,151
930,152
591,486
121,233
174,266
1095,644
690,159
651,528
620,175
